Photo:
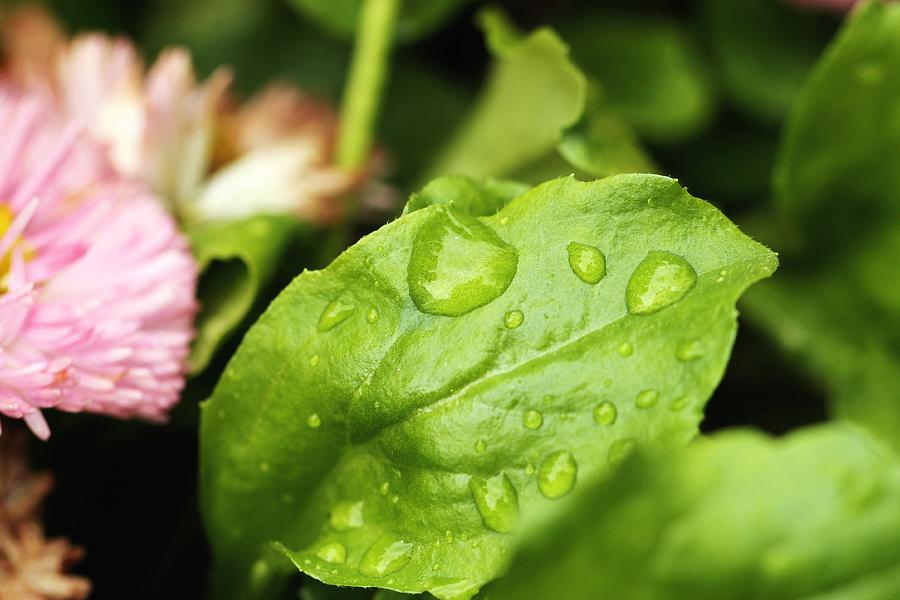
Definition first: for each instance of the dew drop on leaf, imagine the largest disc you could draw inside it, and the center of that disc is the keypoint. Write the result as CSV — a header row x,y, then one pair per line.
x,y
347,515
497,502
313,420
532,419
314,360
480,446
689,351
458,264
333,552
334,314
646,398
587,262
513,319
662,279
385,556
557,474
625,349
680,403
530,469
605,413
372,315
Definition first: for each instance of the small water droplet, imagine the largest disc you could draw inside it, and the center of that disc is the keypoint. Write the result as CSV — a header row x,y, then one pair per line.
x,y
384,488
605,413
587,262
313,420
314,360
334,314
448,535
347,515
662,279
504,220
497,502
646,398
372,315
333,552
557,475
680,403
530,469
532,419
395,499
458,264
513,319
690,351
385,556
480,446
625,349
619,450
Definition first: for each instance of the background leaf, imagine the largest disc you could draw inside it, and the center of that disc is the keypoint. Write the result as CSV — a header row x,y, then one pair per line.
x,y
377,441
738,515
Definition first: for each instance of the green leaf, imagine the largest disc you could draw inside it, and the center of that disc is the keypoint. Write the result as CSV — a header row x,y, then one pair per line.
x,y
466,195
236,260
532,94
764,50
417,17
738,515
363,433
651,70
836,164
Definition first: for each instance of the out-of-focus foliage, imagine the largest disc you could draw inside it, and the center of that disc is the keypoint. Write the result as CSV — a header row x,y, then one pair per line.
x,y
812,515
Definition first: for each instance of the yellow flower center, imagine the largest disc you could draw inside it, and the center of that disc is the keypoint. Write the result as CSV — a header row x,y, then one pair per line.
x,y
6,220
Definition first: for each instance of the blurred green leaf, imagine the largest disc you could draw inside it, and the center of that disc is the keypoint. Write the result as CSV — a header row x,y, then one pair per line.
x,y
417,17
651,71
236,260
738,515
366,417
764,50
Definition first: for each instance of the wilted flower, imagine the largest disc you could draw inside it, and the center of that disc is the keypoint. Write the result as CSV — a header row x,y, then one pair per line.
x,y
96,282
209,156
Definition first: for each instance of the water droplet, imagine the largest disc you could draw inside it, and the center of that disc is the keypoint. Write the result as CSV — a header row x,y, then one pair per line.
x,y
646,398
333,552
504,220
556,477
620,449
587,262
605,413
314,360
513,319
384,557
530,469
347,515
313,420
680,403
458,264
480,446
334,314
689,351
384,488
532,419
625,349
497,502
662,279
372,315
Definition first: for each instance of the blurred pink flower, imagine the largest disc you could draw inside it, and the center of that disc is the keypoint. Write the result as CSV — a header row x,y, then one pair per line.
x,y
833,5
166,128
96,283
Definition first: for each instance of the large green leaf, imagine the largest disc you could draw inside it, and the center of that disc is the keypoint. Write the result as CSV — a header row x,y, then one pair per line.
x,y
652,72
391,418
416,18
235,259
838,162
764,50
815,515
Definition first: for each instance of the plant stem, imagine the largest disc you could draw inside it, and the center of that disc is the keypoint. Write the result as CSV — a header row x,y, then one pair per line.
x,y
364,86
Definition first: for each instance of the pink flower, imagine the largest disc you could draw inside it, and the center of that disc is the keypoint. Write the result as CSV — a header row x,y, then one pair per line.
x,y
96,283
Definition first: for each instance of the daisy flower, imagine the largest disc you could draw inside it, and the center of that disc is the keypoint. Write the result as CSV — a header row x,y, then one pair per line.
x,y
96,282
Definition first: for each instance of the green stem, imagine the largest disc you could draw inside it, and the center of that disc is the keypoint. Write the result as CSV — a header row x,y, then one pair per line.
x,y
367,74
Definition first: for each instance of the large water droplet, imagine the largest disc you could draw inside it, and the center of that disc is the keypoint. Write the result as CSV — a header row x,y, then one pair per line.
x,y
334,314
497,502
587,262
333,552
532,419
513,319
646,398
385,556
619,450
662,279
557,474
605,413
347,515
689,351
458,264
